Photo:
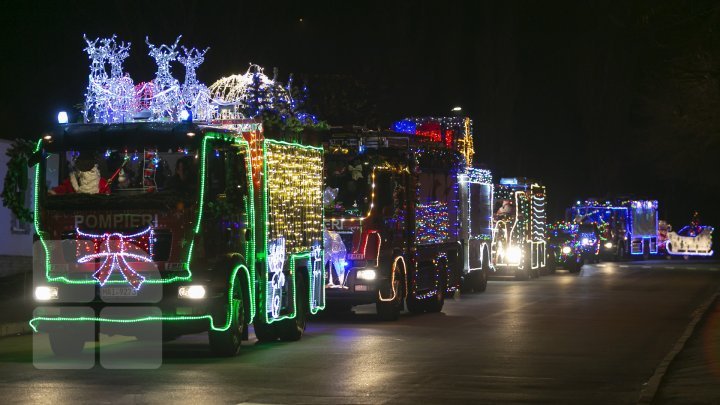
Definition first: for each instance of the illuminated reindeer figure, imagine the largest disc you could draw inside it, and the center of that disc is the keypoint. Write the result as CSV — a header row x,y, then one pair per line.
x,y
195,95
96,97
123,102
335,255
166,96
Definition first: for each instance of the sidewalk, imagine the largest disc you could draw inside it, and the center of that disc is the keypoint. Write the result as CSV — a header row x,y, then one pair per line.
x,y
694,375
16,305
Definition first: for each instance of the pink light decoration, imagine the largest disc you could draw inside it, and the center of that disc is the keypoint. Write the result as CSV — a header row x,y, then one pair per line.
x,y
116,254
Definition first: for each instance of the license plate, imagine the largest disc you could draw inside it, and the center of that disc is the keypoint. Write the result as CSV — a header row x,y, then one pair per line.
x,y
118,292
361,287
356,256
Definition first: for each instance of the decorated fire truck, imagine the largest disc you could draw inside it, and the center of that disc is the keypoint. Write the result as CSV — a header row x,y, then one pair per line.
x,y
392,216
151,225
628,228
519,228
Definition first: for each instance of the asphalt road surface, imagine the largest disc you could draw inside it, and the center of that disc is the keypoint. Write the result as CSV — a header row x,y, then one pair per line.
x,y
593,337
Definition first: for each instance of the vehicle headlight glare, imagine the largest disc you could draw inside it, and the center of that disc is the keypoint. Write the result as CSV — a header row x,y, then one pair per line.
x,y
193,292
566,250
608,245
586,241
366,274
514,254
45,293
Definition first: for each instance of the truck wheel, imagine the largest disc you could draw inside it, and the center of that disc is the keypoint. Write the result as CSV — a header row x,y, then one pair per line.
x,y
265,332
390,310
480,279
227,342
414,305
436,303
522,274
551,263
291,330
66,344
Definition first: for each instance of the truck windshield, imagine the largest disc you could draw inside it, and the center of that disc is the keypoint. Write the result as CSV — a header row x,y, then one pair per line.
x,y
146,176
347,187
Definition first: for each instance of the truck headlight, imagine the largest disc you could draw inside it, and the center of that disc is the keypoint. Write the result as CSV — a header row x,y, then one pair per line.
x,y
367,274
608,245
45,293
193,292
566,250
514,255
586,241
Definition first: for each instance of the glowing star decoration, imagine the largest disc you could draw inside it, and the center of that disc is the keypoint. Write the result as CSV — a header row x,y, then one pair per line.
x,y
276,262
116,249
195,95
166,89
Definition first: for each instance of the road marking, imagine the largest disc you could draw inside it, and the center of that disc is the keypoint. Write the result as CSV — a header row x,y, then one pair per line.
x,y
653,384
645,267
624,266
692,268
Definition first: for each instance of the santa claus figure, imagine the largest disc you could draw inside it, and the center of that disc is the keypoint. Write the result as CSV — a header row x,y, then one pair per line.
x,y
85,178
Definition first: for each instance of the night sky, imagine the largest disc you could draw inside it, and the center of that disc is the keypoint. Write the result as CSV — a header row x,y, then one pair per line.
x,y
594,99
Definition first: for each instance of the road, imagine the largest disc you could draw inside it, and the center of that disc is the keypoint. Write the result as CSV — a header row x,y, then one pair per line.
x,y
593,337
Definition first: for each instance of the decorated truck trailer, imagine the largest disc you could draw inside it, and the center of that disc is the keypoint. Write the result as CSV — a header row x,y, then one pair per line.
x,y
627,228
392,216
190,228
519,228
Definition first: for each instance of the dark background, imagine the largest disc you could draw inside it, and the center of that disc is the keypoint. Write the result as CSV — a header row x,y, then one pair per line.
x,y
592,98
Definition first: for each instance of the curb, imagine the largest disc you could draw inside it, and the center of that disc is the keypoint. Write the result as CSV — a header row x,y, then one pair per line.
x,y
647,394
14,329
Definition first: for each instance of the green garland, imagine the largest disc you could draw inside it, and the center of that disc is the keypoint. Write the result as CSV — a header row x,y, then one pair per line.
x,y
16,179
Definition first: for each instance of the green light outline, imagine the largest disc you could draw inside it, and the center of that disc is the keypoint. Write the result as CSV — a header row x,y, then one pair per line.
x,y
34,323
250,248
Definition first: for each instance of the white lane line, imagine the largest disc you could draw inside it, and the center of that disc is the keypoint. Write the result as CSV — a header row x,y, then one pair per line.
x,y
645,267
624,266
692,268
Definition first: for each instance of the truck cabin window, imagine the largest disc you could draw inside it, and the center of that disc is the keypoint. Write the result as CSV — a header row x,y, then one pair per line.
x,y
347,186
127,175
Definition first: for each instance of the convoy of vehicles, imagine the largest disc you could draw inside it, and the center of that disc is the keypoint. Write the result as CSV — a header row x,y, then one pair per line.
x,y
237,240
157,228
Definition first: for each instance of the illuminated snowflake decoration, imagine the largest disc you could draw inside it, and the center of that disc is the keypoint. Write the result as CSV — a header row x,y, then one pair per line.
x,y
276,262
115,249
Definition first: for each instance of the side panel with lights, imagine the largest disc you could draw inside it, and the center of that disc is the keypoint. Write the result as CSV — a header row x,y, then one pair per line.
x,y
293,238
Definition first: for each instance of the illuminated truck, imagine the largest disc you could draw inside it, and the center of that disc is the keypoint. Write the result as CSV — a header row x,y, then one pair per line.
x,y
476,227
392,221
519,228
202,229
627,228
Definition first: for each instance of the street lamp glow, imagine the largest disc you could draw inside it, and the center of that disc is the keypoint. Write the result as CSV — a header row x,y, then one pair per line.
x,y
62,117
458,108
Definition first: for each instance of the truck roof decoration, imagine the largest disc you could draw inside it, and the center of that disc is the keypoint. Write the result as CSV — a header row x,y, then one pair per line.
x,y
454,132
112,96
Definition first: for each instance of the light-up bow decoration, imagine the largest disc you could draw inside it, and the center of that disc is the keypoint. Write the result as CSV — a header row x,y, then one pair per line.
x,y
116,249
276,262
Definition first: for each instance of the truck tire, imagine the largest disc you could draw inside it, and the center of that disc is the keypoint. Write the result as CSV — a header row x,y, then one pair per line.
x,y
480,279
436,302
265,332
390,310
226,343
66,344
291,330
414,305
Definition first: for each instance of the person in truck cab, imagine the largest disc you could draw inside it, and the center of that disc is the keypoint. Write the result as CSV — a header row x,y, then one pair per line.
x,y
85,178
184,180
